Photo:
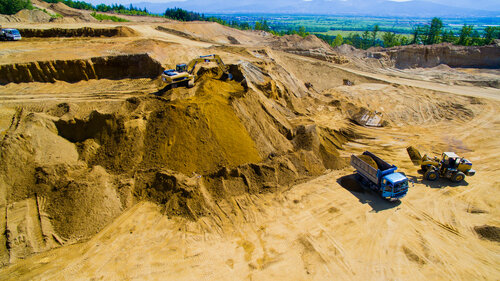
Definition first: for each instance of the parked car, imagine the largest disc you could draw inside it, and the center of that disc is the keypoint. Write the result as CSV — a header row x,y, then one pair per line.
x,y
10,34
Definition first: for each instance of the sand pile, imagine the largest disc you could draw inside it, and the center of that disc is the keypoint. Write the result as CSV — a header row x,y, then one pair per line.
x,y
79,169
33,16
368,160
397,107
310,46
65,11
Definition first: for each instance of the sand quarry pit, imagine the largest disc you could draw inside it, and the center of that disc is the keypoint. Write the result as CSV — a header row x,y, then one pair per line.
x,y
105,173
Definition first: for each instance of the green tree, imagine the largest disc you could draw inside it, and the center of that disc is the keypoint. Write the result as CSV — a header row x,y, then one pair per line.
x,y
375,30
432,36
476,38
489,34
258,25
302,31
338,41
417,33
448,36
365,43
403,40
465,34
10,7
391,39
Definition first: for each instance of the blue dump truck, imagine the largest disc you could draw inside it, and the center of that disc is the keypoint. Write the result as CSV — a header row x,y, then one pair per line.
x,y
383,178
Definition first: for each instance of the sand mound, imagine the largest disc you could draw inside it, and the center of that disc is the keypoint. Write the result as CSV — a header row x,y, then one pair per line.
x,y
33,16
65,11
396,107
211,32
310,46
185,150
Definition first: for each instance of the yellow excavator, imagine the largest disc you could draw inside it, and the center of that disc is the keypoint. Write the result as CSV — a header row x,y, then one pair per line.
x,y
450,166
183,74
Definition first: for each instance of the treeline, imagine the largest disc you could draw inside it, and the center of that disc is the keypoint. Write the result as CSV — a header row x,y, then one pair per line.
x,y
10,7
429,34
183,15
115,8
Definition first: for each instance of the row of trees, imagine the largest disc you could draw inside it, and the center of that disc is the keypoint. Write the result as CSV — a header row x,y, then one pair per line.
x,y
115,8
183,15
10,7
432,33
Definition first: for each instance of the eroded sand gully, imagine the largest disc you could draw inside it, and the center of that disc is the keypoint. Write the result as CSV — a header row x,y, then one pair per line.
x,y
106,174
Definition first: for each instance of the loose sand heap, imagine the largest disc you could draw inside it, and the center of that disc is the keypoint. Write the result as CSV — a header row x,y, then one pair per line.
x,y
185,150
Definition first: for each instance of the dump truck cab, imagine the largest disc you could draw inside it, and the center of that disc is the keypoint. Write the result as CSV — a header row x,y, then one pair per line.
x,y
394,186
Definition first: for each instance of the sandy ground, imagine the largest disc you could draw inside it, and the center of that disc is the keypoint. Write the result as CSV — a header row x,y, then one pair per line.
x,y
316,230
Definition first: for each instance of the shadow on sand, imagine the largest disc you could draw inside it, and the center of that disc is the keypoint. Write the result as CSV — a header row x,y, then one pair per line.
x,y
366,195
162,91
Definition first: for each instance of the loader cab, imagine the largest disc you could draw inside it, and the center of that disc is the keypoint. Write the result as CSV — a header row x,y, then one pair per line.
x,y
450,160
394,186
181,68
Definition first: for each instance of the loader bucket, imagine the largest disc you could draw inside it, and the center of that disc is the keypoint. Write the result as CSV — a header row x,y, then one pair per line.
x,y
414,154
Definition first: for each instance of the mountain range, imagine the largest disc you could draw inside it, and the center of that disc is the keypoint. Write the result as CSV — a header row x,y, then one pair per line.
x,y
412,8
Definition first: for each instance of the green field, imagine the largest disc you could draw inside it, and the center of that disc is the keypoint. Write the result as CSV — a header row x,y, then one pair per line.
x,y
332,25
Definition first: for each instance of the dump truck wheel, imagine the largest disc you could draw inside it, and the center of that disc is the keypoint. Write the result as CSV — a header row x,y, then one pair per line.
x,y
431,175
458,177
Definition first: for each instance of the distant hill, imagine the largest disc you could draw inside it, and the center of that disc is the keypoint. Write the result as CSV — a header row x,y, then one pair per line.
x,y
415,8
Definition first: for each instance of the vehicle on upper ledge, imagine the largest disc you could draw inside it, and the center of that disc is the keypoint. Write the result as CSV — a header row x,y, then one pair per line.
x,y
9,34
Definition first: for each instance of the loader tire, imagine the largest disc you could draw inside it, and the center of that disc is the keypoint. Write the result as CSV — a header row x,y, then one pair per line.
x,y
458,177
431,175
190,84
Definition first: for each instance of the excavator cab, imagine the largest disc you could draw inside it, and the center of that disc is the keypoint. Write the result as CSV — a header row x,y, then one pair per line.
x,y
181,68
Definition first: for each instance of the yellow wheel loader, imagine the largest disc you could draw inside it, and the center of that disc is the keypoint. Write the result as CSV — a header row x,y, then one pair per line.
x,y
183,74
450,166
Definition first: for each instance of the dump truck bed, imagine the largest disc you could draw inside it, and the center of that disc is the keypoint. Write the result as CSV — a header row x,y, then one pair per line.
x,y
370,172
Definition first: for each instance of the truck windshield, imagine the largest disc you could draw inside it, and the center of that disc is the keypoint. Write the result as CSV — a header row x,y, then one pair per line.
x,y
14,32
400,185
